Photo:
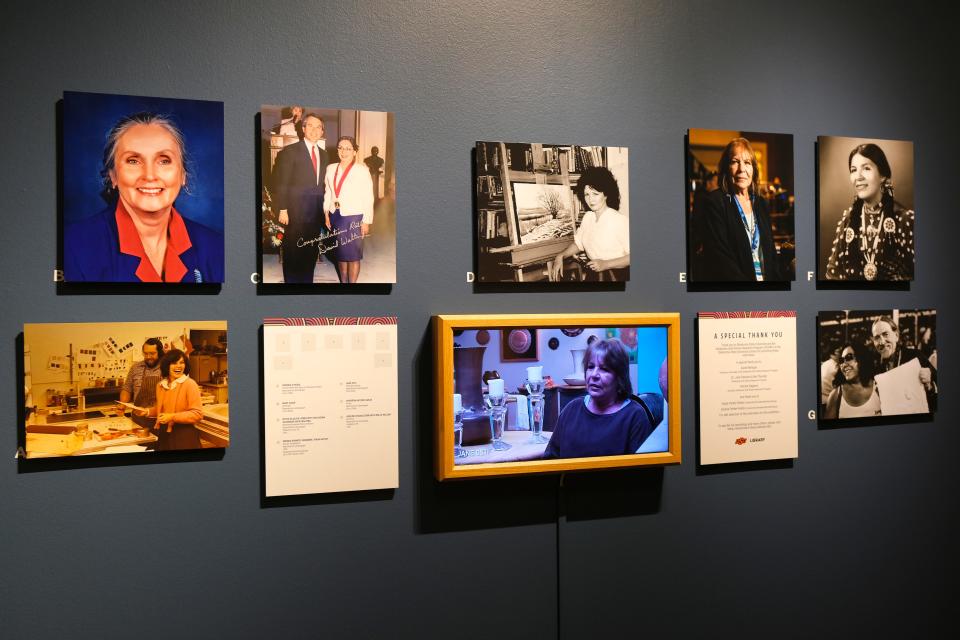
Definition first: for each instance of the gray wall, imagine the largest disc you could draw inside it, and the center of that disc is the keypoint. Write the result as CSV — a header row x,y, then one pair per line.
x,y
855,537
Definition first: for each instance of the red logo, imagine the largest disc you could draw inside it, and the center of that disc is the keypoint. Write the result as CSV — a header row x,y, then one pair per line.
x,y
741,441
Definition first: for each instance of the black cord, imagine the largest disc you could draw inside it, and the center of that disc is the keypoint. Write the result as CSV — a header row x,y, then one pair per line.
x,y
560,513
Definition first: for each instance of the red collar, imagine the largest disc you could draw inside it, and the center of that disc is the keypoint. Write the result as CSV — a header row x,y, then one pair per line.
x,y
178,241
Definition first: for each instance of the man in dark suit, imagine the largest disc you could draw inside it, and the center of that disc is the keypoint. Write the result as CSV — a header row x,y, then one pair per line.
x,y
298,196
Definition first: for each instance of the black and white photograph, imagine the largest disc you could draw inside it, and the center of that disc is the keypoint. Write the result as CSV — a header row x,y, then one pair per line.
x,y
866,217
328,196
552,213
740,207
877,363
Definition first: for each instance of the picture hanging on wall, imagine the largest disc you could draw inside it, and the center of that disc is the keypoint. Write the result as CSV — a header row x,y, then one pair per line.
x,y
125,387
740,207
516,345
556,213
877,363
328,211
607,396
142,189
865,209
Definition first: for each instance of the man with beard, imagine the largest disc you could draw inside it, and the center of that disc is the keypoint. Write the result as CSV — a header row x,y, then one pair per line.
x,y
140,387
886,340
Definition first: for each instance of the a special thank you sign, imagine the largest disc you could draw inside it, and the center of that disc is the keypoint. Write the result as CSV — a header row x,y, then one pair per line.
x,y
748,386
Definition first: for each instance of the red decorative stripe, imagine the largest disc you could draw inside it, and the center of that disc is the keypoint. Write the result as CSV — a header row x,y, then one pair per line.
x,y
328,321
720,315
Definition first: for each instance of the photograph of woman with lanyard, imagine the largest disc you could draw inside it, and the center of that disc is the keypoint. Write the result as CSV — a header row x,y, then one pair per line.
x,y
348,207
731,235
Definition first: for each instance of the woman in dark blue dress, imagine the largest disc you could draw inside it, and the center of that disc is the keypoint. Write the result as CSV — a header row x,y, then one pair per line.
x,y
348,205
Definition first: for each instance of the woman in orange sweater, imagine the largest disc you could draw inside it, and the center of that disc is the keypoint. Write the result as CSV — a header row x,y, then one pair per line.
x,y
178,404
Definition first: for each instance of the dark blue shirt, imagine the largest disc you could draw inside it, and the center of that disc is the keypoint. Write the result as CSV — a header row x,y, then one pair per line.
x,y
92,251
580,433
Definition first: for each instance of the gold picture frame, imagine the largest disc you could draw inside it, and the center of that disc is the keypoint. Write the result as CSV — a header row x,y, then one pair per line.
x,y
609,324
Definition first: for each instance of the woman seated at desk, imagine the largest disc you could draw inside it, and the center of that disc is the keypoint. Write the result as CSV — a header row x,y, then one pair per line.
x,y
609,420
604,232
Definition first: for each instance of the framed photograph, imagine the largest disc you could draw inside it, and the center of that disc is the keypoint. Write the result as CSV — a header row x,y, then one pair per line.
x,y
740,206
125,387
517,345
135,170
605,394
548,212
877,363
328,211
865,209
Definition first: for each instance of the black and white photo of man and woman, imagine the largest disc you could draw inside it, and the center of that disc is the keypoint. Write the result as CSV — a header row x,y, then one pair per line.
x,y
877,363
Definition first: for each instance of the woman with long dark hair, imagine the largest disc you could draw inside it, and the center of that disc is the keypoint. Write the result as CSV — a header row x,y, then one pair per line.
x,y
874,239
854,393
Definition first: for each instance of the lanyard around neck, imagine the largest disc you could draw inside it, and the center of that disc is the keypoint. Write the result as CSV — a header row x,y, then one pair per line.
x,y
755,234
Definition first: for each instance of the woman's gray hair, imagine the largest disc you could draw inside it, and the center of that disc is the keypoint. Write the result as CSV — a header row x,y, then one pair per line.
x,y
123,125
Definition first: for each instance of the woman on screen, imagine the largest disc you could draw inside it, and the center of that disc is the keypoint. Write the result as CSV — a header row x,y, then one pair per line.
x,y
348,207
604,232
609,420
140,236
854,393
731,229
177,408
874,239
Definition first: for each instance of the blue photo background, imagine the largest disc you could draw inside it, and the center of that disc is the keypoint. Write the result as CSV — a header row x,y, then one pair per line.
x,y
88,117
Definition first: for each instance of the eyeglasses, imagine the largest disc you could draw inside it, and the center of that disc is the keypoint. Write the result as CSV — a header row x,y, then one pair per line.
x,y
345,148
849,358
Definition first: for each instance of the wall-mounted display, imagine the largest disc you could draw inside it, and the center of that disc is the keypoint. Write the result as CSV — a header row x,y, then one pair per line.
x,y
552,212
125,387
330,398
877,363
865,216
328,195
142,189
747,379
607,396
740,206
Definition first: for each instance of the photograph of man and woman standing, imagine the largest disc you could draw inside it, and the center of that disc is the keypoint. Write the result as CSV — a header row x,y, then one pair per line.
x,y
328,195
877,363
